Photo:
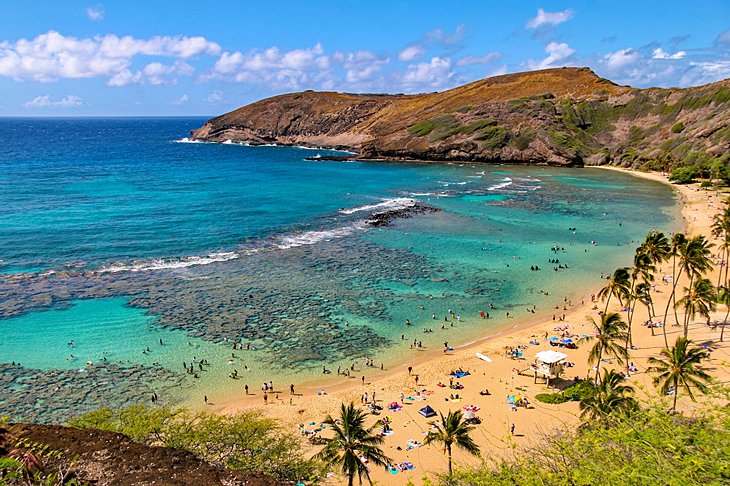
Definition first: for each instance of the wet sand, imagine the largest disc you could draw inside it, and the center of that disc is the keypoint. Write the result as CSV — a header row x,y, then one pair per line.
x,y
501,377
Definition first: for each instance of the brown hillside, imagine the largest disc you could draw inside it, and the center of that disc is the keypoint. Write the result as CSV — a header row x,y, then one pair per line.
x,y
566,116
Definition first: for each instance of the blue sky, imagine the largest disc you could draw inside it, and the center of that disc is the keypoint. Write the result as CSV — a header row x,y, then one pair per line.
x,y
75,58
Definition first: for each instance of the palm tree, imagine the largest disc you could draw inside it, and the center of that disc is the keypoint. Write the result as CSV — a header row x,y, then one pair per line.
x,y
611,395
352,444
694,259
721,229
617,286
657,246
723,297
642,294
643,266
679,240
699,299
679,367
609,333
453,430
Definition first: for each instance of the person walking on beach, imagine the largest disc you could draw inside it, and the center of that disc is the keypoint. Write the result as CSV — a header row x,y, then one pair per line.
x,y
246,388
291,389
512,429
266,398
205,399
363,380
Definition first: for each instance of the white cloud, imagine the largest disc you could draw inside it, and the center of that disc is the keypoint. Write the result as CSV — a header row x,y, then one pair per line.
x,y
361,66
621,58
181,100
434,74
95,13
558,54
411,53
441,37
278,69
52,56
659,53
214,96
487,58
544,18
69,101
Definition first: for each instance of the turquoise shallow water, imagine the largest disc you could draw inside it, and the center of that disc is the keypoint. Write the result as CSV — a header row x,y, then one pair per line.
x,y
114,235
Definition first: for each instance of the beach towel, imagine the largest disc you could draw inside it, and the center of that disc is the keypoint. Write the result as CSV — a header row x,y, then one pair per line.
x,y
460,374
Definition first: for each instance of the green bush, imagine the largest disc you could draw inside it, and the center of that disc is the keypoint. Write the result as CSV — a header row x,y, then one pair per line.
x,y
576,392
552,398
245,441
493,136
523,139
649,447
683,175
677,127
422,129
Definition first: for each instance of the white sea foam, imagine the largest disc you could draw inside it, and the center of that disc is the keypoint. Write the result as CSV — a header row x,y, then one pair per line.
x,y
505,182
397,203
166,264
316,236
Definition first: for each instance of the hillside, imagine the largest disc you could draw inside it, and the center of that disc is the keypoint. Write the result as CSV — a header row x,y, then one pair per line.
x,y
107,458
566,116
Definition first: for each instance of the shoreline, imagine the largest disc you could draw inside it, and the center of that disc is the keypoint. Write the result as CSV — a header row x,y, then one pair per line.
x,y
340,384
499,377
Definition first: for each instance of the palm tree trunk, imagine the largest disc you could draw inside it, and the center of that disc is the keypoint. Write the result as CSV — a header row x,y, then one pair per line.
x,y
676,392
448,448
598,366
607,301
632,308
675,279
722,331
686,313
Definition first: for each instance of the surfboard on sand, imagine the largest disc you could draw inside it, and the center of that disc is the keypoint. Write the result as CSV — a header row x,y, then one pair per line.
x,y
484,357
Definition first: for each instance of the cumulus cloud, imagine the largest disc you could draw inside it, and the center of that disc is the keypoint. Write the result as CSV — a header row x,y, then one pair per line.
x,y
433,74
52,56
411,53
544,18
46,101
279,69
487,58
95,13
659,53
361,66
621,58
558,54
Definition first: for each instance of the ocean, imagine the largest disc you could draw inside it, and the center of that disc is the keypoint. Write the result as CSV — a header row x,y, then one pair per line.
x,y
130,255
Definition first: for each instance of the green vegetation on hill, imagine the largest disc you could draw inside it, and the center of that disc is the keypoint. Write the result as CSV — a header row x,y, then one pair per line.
x,y
647,447
245,441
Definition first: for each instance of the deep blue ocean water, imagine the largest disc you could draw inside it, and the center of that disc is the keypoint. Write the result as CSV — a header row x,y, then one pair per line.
x,y
116,234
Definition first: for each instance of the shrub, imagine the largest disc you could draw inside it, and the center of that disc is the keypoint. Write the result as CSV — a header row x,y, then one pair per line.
x,y
422,129
245,441
649,447
678,127
493,136
683,175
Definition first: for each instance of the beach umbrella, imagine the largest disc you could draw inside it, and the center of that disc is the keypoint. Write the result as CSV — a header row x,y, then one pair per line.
x,y
566,341
469,415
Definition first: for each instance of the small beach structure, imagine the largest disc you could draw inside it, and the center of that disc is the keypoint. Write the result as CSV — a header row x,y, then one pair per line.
x,y
427,411
548,364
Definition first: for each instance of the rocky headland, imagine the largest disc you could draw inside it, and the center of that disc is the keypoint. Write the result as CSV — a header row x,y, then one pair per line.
x,y
565,117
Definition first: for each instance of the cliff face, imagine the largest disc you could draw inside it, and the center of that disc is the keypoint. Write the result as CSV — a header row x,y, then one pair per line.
x,y
566,116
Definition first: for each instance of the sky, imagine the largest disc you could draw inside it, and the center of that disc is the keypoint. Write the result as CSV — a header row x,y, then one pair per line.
x,y
173,58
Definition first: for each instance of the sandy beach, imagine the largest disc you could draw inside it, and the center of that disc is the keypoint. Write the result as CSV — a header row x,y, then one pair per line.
x,y
501,377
